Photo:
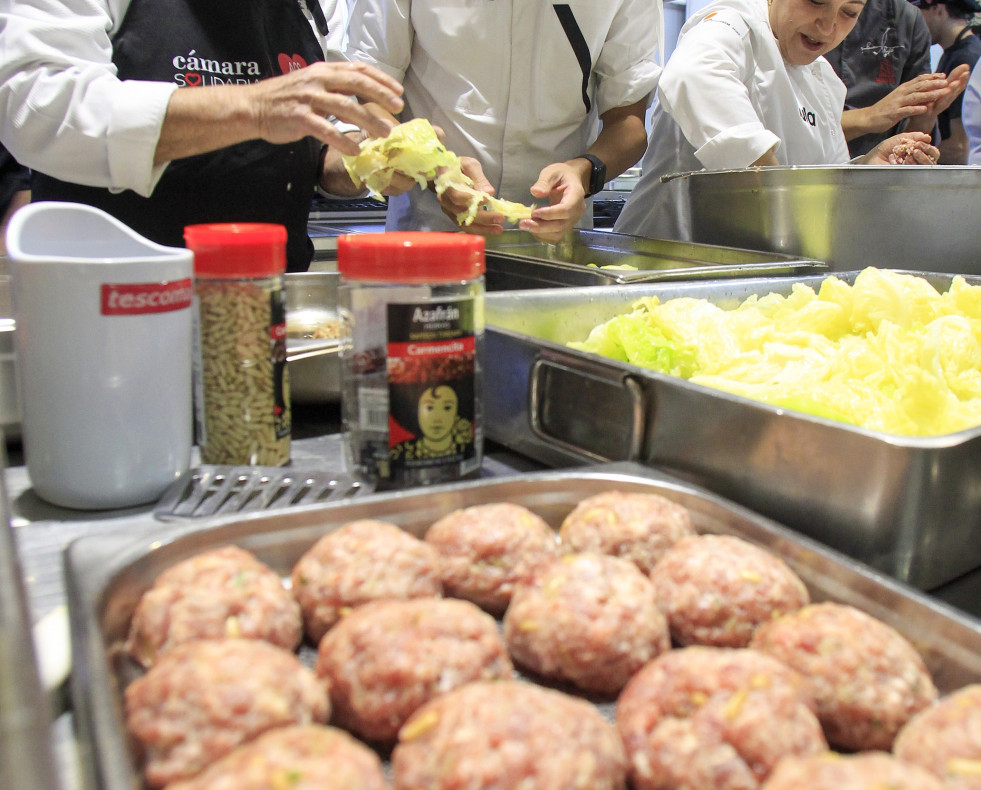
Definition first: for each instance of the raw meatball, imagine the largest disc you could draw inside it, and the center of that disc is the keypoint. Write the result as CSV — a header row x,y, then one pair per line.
x,y
589,619
300,757
866,679
225,592
386,658
945,738
635,526
202,699
713,717
833,771
362,561
483,549
715,590
508,734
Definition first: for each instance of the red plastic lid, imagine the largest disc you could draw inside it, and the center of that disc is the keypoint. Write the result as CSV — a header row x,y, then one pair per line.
x,y
410,257
237,249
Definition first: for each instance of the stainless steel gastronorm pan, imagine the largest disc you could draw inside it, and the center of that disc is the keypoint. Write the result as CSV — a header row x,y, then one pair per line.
x,y
313,363
912,217
516,259
910,507
105,575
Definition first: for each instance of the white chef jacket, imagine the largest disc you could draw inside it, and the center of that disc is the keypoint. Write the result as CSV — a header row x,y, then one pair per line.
x,y
725,98
504,82
62,109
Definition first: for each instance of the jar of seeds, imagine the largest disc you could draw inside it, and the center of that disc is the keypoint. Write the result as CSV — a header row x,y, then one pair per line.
x,y
241,387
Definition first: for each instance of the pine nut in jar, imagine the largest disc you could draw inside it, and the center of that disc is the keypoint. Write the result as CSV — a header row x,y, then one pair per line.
x,y
241,383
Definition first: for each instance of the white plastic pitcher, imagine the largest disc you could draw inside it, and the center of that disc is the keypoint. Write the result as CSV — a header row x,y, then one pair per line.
x,y
104,353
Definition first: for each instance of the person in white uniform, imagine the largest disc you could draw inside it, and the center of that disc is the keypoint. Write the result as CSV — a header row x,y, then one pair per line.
x,y
747,86
169,112
545,102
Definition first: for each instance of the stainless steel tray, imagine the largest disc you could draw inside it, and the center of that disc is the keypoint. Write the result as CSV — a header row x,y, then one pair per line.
x,y
106,574
516,260
910,507
26,750
313,364
847,216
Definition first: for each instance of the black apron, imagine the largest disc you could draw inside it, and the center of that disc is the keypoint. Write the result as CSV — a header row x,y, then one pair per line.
x,y
211,42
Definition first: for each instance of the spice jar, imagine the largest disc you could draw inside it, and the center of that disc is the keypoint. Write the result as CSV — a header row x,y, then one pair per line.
x,y
242,403
412,311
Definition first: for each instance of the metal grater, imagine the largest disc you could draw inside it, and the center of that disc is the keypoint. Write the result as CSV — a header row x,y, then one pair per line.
x,y
219,490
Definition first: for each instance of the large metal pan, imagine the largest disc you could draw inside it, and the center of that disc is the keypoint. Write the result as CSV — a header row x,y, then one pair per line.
x,y
106,574
908,506
912,217
516,260
313,363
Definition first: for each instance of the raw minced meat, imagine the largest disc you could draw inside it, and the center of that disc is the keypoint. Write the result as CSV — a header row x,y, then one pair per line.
x,y
716,589
225,592
945,738
484,550
865,677
386,658
588,619
202,699
364,560
508,734
299,757
635,526
710,717
864,771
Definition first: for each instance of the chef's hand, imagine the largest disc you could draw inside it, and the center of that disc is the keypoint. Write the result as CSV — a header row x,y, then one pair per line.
x,y
455,201
334,177
279,109
911,98
562,184
956,83
908,148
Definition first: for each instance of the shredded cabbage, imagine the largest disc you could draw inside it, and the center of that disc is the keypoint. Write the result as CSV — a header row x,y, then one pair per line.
x,y
889,353
413,149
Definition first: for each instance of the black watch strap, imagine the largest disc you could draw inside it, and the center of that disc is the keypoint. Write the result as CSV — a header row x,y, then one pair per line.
x,y
597,178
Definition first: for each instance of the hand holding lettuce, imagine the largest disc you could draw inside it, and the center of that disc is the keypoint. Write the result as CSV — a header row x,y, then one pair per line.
x,y
413,149
888,353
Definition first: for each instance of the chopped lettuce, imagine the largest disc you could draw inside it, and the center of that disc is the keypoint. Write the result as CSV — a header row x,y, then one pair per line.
x,y
889,353
413,149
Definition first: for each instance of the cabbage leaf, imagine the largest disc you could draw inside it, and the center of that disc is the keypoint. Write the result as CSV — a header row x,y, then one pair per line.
x,y
413,149
888,353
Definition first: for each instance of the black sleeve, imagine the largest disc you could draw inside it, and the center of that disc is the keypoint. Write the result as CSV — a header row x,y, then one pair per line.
x,y
14,177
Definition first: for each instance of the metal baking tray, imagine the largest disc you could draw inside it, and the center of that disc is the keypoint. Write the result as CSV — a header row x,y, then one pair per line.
x,y
26,744
313,363
846,216
517,260
910,507
106,574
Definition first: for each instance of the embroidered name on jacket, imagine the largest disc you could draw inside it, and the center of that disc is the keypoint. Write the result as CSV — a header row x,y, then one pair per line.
x,y
807,116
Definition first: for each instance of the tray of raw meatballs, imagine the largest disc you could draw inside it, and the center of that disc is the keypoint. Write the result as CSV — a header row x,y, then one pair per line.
x,y
605,627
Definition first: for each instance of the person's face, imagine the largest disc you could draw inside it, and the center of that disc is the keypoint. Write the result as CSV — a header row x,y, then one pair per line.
x,y
806,29
437,412
933,16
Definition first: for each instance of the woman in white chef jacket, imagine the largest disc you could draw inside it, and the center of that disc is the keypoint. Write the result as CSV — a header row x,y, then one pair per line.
x,y
747,86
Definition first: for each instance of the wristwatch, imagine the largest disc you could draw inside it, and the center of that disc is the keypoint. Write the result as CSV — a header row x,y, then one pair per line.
x,y
597,178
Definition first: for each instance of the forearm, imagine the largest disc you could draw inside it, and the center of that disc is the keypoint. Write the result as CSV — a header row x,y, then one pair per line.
x,y
204,119
855,123
953,150
623,139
